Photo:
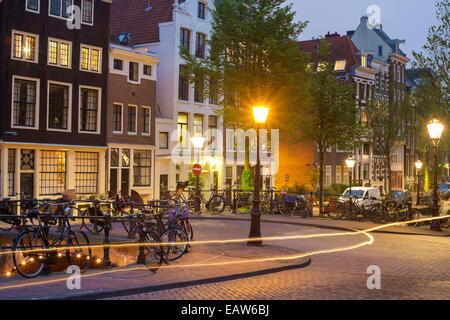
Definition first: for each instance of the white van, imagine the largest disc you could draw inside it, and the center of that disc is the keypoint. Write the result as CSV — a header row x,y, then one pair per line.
x,y
363,196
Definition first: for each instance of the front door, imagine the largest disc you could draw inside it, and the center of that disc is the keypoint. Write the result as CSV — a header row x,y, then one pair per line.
x,y
27,184
125,182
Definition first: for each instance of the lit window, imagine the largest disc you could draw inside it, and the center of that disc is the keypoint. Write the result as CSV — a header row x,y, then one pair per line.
x,y
90,58
340,65
24,46
59,53
86,172
364,60
52,172
182,129
321,66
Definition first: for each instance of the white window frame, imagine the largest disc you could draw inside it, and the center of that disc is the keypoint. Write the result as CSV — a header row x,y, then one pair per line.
x,y
58,55
133,133
69,108
98,109
59,16
149,121
82,8
36,45
36,108
86,46
138,81
121,117
33,11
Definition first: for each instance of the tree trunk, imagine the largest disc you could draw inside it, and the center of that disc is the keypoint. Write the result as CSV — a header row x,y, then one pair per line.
x,y
389,178
321,160
247,153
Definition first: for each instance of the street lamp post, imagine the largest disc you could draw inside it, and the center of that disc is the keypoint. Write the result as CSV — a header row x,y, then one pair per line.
x,y
435,129
350,164
198,142
260,115
419,165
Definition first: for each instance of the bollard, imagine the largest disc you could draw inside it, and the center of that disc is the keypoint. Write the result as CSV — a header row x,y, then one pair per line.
x,y
106,261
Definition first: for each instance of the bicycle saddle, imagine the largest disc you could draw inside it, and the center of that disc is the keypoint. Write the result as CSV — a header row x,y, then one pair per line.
x,y
33,213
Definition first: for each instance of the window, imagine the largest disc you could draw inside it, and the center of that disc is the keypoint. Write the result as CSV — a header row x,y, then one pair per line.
x,y
26,159
198,92
114,157
146,120
185,39
142,168
25,46
212,132
32,5
147,70
213,91
118,64
126,158
24,103
58,8
182,129
117,118
183,85
89,110
399,78
134,72
380,50
11,170
339,174
164,140
132,119
366,149
58,106
90,58
345,175
200,45
59,53
328,175
364,60
201,10
366,171
86,172
87,11
198,125
340,65
52,172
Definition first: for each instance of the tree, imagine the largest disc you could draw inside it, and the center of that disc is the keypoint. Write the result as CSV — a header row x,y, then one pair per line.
x,y
431,97
386,126
253,60
330,116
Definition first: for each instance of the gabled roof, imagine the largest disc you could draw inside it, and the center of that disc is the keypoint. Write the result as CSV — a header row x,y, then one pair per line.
x,y
413,76
342,48
131,16
390,42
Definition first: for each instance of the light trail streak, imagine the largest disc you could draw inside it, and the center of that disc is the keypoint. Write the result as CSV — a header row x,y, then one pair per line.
x,y
203,242
271,259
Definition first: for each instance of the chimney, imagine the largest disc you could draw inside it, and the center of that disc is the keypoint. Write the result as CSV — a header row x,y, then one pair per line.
x,y
334,35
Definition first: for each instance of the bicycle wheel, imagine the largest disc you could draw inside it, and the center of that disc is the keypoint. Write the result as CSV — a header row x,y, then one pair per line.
x,y
29,264
286,209
79,252
341,212
217,204
174,242
154,254
244,204
91,225
414,215
390,215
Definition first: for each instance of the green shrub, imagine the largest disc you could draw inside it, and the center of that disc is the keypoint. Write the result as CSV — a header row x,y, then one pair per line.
x,y
247,180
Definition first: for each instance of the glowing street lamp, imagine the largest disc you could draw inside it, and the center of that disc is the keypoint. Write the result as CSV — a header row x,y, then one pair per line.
x,y
350,164
260,116
435,129
419,165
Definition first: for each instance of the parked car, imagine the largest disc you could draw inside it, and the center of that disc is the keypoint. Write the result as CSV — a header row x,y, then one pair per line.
x,y
363,196
402,198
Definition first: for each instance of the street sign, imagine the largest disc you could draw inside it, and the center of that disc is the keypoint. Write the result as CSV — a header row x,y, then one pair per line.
x,y
197,169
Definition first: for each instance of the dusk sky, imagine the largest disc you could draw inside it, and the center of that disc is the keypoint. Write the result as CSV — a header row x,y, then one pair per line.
x,y
403,19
